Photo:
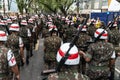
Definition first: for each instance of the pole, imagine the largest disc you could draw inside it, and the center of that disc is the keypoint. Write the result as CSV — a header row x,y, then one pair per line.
x,y
4,7
77,6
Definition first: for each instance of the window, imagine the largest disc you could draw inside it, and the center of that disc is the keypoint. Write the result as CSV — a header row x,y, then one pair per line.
x,y
104,2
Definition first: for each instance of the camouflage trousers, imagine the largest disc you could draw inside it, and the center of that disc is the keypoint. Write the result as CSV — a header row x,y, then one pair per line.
x,y
4,77
67,75
98,74
50,65
50,60
18,58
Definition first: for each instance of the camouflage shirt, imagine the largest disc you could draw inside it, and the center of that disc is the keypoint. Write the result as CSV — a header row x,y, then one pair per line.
x,y
100,54
52,44
3,62
13,41
69,74
68,33
114,37
45,33
23,32
13,44
91,29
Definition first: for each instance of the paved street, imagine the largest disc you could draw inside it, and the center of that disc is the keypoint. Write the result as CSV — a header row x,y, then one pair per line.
x,y
33,70
117,69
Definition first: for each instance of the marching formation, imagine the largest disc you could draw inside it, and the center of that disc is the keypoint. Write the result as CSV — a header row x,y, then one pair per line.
x,y
75,47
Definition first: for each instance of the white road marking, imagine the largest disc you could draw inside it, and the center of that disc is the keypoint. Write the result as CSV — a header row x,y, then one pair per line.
x,y
117,70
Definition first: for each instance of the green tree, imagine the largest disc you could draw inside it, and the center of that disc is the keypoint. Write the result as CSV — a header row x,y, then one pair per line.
x,y
20,4
49,5
56,5
0,4
64,5
23,5
118,0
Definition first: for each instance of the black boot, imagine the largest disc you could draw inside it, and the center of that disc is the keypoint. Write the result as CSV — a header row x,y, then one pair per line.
x,y
27,60
31,54
22,63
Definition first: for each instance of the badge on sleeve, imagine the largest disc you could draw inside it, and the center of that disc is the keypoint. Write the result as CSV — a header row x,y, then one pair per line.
x,y
11,58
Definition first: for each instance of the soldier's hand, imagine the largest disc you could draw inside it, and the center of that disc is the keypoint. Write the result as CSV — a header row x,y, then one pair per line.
x,y
118,54
23,59
18,77
81,53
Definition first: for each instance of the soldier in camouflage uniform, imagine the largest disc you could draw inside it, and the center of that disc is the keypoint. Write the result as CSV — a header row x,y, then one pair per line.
x,y
25,34
7,60
15,42
69,70
91,28
31,27
81,44
51,44
9,22
114,38
3,27
68,32
98,55
45,30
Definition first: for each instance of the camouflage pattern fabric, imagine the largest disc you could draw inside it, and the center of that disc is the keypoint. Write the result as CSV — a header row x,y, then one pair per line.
x,y
83,38
100,54
52,44
24,34
68,33
3,63
30,27
81,44
13,43
3,28
91,29
100,73
45,32
70,74
114,36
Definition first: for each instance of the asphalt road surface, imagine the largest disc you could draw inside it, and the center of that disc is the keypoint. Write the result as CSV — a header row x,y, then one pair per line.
x,y
117,69
33,70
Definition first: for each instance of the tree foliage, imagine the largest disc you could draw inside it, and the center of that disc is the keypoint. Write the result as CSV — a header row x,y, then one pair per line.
x,y
118,0
0,4
23,5
57,5
53,6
